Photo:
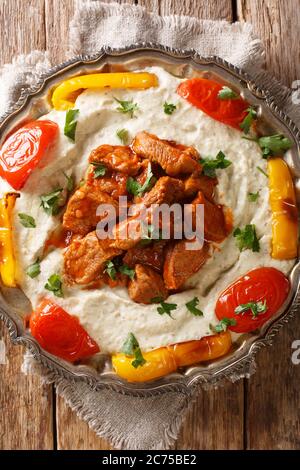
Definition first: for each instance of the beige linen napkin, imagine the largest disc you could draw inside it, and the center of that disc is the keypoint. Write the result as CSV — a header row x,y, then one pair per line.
x,y
128,422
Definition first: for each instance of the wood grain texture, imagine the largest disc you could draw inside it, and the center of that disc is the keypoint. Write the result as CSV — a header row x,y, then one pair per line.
x,y
25,404
272,395
21,29
215,420
211,10
277,24
74,434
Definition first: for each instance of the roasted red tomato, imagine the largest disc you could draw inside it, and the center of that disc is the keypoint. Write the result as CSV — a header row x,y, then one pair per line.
x,y
253,299
23,150
203,94
60,333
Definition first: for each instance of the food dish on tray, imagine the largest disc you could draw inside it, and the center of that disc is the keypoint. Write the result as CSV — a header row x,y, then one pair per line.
x,y
114,149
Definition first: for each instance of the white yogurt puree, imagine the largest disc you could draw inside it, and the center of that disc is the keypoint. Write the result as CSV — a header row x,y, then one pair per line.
x,y
109,314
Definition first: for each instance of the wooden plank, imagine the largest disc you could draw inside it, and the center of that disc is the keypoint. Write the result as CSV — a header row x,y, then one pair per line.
x,y
215,420
58,14
271,415
22,27
25,403
277,24
212,10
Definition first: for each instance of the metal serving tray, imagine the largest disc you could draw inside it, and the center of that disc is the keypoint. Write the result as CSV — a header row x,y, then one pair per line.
x,y
34,102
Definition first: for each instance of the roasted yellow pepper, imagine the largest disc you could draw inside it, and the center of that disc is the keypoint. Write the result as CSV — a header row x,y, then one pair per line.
x,y
284,210
7,260
163,361
62,95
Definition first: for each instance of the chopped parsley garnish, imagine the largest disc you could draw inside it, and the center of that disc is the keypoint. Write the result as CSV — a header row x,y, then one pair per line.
x,y
112,267
124,269
70,182
252,197
246,238
127,107
262,171
26,220
273,145
255,307
248,120
169,108
192,307
210,165
132,348
71,123
54,285
227,93
165,307
135,188
222,325
50,202
99,170
122,134
111,270
34,269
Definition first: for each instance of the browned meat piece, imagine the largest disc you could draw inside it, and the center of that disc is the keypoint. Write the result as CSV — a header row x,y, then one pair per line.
x,y
203,183
80,216
152,256
166,191
126,234
117,158
214,220
180,263
172,159
113,184
146,285
84,259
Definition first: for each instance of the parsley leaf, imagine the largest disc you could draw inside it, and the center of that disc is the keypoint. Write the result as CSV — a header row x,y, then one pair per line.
x,y
135,188
164,307
99,170
26,220
122,134
222,325
124,269
34,269
50,202
252,197
248,120
111,270
127,107
247,238
262,171
54,285
71,123
227,93
169,108
273,145
70,182
255,307
131,347
191,306
209,165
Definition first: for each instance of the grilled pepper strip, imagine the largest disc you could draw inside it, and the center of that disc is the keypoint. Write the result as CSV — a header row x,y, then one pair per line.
x,y
284,210
166,360
62,95
7,260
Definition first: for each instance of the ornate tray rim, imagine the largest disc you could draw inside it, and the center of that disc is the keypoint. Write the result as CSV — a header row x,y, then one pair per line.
x,y
227,369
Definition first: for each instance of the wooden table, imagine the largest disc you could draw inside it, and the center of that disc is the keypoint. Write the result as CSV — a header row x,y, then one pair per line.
x,y
260,413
